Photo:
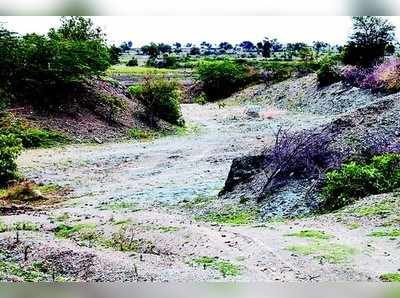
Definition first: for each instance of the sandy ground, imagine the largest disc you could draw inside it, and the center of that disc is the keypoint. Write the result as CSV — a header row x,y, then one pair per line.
x,y
139,185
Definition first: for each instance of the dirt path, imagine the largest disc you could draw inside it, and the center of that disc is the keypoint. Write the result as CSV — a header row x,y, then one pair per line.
x,y
132,190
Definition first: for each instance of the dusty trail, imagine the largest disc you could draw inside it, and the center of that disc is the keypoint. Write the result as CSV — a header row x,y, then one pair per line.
x,y
141,183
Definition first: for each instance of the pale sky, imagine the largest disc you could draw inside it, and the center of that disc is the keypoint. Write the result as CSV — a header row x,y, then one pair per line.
x,y
144,29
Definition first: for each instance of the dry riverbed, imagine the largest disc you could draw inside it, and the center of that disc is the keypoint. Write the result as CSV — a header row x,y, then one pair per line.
x,y
137,213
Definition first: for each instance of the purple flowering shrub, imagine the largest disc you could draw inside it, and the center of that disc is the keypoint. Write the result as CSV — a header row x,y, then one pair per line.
x,y
382,77
387,75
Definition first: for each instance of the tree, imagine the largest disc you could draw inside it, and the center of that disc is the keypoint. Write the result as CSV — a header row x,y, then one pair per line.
x,y
126,46
206,44
276,45
368,40
265,47
296,47
115,52
164,48
77,29
152,50
225,46
177,47
247,45
319,46
194,51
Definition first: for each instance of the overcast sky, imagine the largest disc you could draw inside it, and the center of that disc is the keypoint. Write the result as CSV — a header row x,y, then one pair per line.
x,y
141,30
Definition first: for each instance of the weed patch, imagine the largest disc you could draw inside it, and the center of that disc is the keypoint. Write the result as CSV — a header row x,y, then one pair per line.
x,y
381,208
388,233
226,268
332,253
25,226
67,231
129,206
230,217
390,277
311,234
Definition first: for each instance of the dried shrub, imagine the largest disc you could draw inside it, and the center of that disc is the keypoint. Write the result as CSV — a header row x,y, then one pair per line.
x,y
298,155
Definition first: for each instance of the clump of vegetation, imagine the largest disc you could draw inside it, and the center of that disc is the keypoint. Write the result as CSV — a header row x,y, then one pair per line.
x,y
390,277
328,72
115,206
124,240
230,217
161,99
355,180
389,233
311,234
132,62
225,267
29,192
377,209
25,226
332,253
222,78
36,69
10,148
139,134
67,231
198,202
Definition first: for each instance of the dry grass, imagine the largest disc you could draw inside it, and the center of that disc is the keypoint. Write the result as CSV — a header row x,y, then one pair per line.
x,y
29,193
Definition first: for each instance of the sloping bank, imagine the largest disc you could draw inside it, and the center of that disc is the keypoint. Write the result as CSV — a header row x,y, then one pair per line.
x,y
287,178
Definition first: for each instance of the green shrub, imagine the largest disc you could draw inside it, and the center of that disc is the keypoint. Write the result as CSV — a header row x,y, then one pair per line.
x,y
224,77
355,180
161,99
139,134
10,148
132,62
328,73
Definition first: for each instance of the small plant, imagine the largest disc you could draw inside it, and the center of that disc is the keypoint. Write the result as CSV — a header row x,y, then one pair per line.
x,y
311,234
161,99
139,134
225,267
124,240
